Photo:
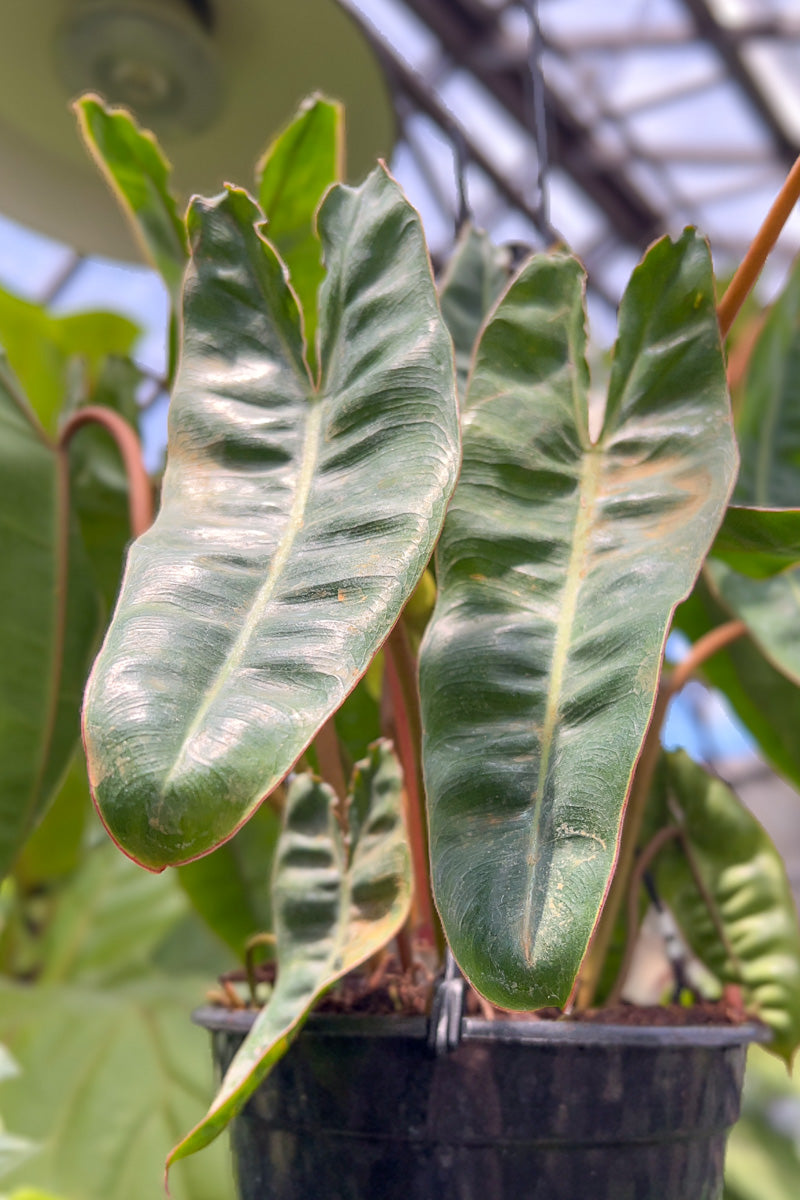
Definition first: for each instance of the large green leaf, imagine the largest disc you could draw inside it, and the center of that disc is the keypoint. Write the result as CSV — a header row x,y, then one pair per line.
x,y
294,524
745,927
476,274
559,566
108,1079
230,889
139,175
296,171
49,615
769,607
768,422
759,542
335,902
764,699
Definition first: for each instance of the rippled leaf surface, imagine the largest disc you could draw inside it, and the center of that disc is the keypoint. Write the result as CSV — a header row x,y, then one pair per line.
x,y
334,904
559,566
49,616
295,521
745,928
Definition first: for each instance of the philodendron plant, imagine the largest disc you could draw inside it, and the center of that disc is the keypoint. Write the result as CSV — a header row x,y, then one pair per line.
x,y
308,483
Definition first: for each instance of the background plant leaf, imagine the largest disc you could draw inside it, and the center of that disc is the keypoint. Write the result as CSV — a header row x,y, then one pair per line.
x,y
41,349
293,176
768,420
294,523
559,567
769,607
764,699
49,616
477,272
762,1160
108,1078
98,482
745,929
759,542
335,905
230,888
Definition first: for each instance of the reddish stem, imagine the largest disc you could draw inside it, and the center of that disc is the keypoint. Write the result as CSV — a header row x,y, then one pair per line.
x,y
703,649
756,256
140,492
401,679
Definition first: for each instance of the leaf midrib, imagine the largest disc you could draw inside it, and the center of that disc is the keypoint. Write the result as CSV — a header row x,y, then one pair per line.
x,y
267,590
588,485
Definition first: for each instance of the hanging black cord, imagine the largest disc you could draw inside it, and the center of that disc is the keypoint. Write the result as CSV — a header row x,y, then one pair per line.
x,y
461,154
538,106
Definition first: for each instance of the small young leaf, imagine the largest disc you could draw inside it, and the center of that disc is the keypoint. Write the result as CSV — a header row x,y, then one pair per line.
x,y
476,274
138,174
744,927
334,906
294,175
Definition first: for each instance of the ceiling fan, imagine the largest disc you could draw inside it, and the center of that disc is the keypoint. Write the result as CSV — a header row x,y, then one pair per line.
x,y
213,78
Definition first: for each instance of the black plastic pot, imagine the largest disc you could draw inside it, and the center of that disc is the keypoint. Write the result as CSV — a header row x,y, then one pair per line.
x,y
361,1109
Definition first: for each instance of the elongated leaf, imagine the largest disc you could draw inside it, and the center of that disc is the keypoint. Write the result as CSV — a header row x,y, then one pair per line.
x,y
759,542
107,1079
476,274
49,616
769,607
768,423
139,175
745,927
559,566
230,889
764,699
334,907
294,522
296,171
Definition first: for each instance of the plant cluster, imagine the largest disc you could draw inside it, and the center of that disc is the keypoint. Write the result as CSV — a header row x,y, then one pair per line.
x,y
324,441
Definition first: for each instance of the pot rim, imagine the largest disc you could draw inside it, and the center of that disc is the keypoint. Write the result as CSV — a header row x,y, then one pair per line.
x,y
478,1029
